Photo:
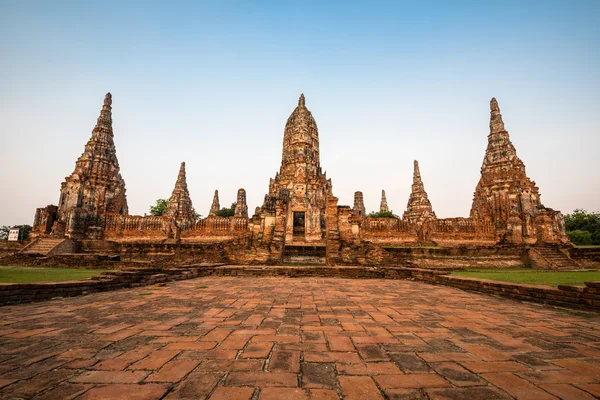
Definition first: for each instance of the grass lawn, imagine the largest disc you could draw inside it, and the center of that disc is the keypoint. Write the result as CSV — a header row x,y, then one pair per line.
x,y
532,277
46,274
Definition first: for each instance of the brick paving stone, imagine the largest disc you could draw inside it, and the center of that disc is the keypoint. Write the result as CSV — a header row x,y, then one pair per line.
x,y
197,385
231,365
340,343
6,382
283,393
457,374
493,366
64,391
285,361
150,391
194,346
110,377
409,362
262,379
471,393
565,391
371,352
318,375
485,353
173,371
155,360
346,336
216,335
517,387
410,381
359,388
581,367
29,388
257,350
323,394
232,393
331,356
558,376
384,368
405,394
593,388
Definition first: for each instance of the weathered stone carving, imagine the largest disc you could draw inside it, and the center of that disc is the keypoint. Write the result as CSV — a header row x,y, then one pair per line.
x,y
359,205
215,207
300,207
418,209
300,177
241,208
383,207
179,207
94,188
506,197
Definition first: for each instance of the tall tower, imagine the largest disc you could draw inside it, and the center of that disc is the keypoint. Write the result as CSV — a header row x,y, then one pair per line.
x,y
505,194
419,207
96,185
300,179
179,206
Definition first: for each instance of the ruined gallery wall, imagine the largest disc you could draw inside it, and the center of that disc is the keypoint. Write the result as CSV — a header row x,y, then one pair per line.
x,y
443,232
132,228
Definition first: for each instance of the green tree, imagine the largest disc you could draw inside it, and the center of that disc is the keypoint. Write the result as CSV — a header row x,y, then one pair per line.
x,y
583,227
227,212
159,208
4,232
383,214
580,238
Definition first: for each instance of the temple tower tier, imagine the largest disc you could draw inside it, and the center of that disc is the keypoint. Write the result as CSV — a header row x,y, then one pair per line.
x,y
300,185
383,207
215,207
241,208
359,205
507,198
179,207
418,209
95,187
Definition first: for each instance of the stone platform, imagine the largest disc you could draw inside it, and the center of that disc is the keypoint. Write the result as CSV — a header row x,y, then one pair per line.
x,y
304,338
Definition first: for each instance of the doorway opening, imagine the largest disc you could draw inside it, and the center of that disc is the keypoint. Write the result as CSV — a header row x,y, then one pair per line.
x,y
299,224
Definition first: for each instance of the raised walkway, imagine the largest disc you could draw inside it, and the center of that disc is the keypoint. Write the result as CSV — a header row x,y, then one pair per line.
x,y
304,338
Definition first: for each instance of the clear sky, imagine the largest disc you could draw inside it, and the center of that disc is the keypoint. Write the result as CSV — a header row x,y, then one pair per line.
x,y
213,83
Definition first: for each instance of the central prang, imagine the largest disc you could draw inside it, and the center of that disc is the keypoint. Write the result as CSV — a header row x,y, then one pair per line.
x,y
300,183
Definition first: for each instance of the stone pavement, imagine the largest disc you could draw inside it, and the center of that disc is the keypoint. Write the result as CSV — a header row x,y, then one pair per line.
x,y
305,338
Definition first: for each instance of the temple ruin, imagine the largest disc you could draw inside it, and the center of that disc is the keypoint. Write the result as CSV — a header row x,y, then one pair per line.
x,y
300,214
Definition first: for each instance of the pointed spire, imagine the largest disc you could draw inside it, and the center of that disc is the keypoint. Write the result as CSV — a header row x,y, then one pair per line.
x,y
419,207
496,123
359,205
179,206
383,207
241,208
96,171
181,176
215,207
105,118
302,101
416,173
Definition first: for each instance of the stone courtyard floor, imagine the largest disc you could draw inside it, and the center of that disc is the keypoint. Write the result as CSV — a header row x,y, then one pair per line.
x,y
305,338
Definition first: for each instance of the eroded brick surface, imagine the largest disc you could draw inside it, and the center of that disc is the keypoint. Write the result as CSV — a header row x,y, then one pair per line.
x,y
305,338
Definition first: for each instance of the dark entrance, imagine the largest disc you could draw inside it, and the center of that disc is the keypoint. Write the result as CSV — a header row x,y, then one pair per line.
x,y
299,225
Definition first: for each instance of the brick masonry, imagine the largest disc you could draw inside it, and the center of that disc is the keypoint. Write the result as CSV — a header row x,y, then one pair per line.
x,y
586,298
304,338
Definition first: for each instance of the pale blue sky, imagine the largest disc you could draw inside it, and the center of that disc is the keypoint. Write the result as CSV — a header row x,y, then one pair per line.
x,y
213,83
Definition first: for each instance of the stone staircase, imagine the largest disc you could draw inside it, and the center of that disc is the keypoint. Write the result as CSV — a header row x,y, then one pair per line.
x,y
556,259
42,246
304,254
